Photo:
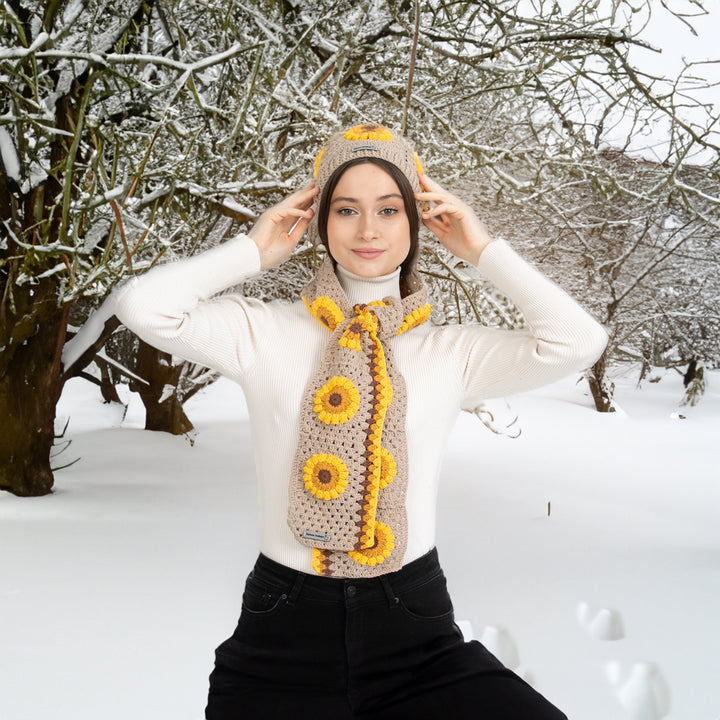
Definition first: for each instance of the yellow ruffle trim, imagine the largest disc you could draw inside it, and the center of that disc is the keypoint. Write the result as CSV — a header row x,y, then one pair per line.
x,y
320,562
384,395
316,166
388,468
415,318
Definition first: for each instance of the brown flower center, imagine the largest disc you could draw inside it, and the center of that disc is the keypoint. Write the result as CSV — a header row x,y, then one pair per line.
x,y
324,476
335,399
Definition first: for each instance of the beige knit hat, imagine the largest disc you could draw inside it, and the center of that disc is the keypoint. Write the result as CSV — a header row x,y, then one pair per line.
x,y
367,141
372,141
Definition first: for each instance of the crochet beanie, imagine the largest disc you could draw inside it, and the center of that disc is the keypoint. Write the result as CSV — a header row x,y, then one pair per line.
x,y
371,141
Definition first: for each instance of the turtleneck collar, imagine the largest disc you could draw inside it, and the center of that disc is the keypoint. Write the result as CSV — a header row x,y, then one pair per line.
x,y
364,290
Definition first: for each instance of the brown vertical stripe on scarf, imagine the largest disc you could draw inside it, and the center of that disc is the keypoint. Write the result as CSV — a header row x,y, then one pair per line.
x,y
350,472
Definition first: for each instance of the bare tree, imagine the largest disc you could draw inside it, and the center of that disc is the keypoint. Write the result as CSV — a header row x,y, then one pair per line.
x,y
84,98
134,131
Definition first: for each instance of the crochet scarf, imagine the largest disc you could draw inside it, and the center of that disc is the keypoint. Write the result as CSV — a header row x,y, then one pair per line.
x,y
350,472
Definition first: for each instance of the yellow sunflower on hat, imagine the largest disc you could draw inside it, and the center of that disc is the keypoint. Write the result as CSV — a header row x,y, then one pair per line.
x,y
369,131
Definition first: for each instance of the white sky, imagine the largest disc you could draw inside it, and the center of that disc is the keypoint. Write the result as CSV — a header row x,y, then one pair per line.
x,y
679,46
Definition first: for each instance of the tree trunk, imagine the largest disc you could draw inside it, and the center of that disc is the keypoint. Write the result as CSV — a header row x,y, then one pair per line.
x,y
163,408
29,391
107,387
691,372
600,387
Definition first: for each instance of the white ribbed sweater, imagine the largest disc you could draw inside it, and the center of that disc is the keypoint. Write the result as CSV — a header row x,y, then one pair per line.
x,y
273,349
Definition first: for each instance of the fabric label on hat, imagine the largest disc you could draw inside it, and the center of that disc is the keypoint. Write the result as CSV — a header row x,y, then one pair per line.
x,y
371,148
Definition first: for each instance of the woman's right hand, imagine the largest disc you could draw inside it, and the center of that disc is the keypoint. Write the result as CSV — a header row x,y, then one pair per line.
x,y
279,229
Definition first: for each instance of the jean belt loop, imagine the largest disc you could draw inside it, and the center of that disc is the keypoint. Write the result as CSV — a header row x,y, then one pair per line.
x,y
296,588
389,592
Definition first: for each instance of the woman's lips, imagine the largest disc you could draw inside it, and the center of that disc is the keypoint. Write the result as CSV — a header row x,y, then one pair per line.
x,y
368,253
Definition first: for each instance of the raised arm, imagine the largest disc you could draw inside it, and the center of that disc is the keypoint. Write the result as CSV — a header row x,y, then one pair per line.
x,y
176,306
560,337
173,307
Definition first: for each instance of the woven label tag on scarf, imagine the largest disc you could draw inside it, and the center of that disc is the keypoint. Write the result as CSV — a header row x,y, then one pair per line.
x,y
349,477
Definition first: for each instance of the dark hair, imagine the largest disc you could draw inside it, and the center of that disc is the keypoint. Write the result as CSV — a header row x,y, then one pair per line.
x,y
407,267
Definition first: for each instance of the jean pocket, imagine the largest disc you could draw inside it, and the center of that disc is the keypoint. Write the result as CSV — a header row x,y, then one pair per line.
x,y
427,602
262,598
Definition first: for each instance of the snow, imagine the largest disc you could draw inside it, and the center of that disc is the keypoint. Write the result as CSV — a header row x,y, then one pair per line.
x,y
167,392
90,331
9,156
115,590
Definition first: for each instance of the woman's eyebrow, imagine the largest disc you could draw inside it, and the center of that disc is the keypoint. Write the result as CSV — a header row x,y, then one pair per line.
x,y
354,200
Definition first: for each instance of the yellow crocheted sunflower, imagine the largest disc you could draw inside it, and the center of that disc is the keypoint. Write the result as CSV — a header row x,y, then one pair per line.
x,y
365,321
388,468
370,131
325,476
325,311
415,318
375,555
337,401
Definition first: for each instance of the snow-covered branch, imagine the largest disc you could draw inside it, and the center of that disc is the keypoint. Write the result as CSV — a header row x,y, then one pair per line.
x,y
108,59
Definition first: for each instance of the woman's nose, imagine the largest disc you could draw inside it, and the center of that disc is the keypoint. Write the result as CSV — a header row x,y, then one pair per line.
x,y
368,228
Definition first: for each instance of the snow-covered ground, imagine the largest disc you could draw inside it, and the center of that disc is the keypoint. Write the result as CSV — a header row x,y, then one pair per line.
x,y
115,589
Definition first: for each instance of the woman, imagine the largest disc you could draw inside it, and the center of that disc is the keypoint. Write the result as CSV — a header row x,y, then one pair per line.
x,y
352,394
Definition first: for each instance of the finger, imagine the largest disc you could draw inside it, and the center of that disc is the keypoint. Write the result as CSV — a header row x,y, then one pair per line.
x,y
440,220
442,209
435,226
303,197
306,188
429,194
289,213
309,191
435,197
427,182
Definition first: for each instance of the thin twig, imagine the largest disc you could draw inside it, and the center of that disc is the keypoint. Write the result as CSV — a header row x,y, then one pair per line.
x,y
413,57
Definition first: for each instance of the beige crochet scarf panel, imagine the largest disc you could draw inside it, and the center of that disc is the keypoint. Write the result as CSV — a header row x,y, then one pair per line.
x,y
350,472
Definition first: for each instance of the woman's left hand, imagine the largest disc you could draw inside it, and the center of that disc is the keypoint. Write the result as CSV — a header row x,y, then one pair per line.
x,y
454,222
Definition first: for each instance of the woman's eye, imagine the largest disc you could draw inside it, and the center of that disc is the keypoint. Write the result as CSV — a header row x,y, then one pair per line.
x,y
345,211
388,211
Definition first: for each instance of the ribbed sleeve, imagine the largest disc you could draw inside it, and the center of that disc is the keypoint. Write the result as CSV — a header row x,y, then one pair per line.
x,y
172,307
560,337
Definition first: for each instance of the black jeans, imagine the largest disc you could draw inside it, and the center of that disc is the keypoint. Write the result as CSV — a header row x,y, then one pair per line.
x,y
311,647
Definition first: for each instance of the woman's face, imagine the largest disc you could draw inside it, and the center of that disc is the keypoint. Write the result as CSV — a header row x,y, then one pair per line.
x,y
368,229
